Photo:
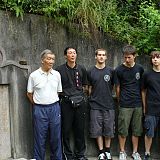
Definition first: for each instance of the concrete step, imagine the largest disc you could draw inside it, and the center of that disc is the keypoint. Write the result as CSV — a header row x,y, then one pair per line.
x,y
116,158
113,157
90,158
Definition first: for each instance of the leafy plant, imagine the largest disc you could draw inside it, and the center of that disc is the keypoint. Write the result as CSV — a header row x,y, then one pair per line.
x,y
135,22
148,37
14,5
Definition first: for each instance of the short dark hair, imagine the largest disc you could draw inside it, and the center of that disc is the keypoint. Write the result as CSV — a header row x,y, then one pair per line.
x,y
45,52
129,49
100,49
155,53
67,48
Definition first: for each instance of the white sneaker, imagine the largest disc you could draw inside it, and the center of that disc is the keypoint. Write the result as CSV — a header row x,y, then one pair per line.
x,y
108,156
122,156
102,156
136,156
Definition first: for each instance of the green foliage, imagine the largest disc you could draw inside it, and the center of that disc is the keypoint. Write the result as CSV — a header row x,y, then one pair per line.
x,y
134,22
137,23
14,5
149,28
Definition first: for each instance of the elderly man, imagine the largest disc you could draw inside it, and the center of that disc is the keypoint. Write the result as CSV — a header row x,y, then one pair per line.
x,y
44,84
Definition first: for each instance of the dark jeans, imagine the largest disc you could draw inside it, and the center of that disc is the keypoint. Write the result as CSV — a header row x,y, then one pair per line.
x,y
47,118
73,119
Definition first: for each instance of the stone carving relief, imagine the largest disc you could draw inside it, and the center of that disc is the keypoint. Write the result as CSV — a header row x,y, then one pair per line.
x,y
4,62
2,56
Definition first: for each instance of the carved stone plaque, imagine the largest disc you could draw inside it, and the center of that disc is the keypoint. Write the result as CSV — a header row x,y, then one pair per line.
x,y
5,142
1,57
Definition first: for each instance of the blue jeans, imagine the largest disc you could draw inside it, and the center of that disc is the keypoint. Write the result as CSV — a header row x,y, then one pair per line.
x,y
47,118
150,124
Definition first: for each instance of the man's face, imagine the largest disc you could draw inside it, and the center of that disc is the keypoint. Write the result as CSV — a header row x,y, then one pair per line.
x,y
129,59
48,61
101,57
156,59
71,55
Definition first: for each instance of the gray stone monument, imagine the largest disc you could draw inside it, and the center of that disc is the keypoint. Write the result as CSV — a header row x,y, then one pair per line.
x,y
15,110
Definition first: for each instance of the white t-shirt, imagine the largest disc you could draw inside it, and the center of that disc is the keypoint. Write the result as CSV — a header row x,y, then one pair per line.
x,y
45,87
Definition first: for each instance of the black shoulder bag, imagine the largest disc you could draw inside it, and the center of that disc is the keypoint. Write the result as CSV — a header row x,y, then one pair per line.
x,y
76,100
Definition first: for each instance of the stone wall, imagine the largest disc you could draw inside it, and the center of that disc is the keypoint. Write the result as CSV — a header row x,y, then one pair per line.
x,y
21,42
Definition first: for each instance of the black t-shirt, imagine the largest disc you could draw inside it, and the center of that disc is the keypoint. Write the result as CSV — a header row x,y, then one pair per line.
x,y
151,82
129,80
72,79
101,81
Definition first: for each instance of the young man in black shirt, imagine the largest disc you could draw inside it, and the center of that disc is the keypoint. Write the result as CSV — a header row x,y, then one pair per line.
x,y
74,81
128,90
151,101
102,113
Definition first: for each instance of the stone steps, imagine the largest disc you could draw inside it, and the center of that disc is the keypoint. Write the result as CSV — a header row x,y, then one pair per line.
x,y
89,158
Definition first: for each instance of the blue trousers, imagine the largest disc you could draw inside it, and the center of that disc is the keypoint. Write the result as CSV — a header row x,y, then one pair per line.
x,y
47,118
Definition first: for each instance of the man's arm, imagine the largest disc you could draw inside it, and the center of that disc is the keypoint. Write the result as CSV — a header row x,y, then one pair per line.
x,y
85,89
117,92
144,100
89,90
30,97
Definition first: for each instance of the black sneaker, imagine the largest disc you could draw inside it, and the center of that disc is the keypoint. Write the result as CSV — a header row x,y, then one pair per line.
x,y
147,157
